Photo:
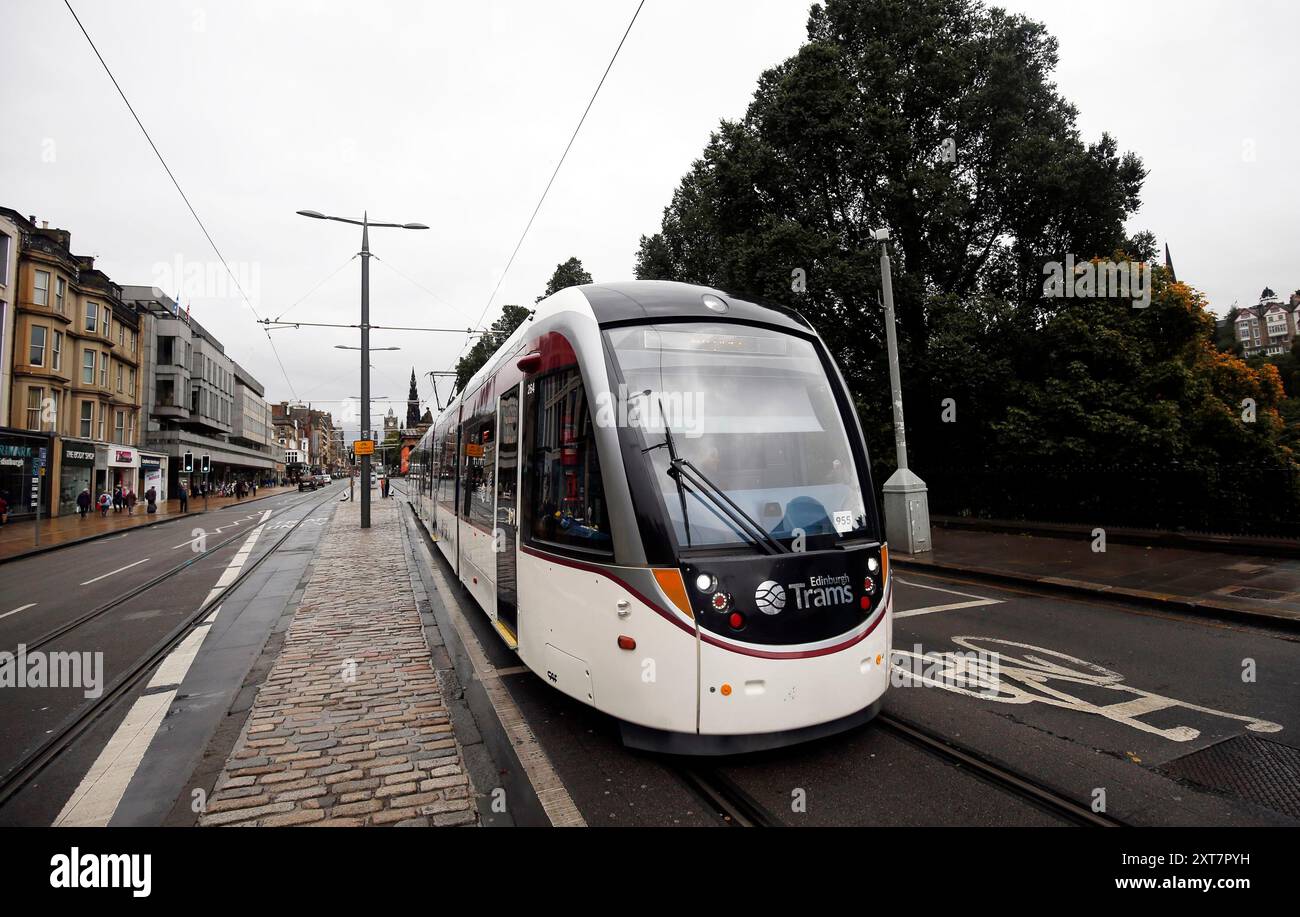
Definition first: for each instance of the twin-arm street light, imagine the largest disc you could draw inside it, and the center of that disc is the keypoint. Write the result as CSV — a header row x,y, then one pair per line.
x,y
365,224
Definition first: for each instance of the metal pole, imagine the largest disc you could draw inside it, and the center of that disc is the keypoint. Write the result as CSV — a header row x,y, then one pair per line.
x,y
907,503
891,337
365,366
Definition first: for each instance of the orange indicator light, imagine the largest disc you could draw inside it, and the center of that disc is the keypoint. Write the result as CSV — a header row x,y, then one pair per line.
x,y
726,690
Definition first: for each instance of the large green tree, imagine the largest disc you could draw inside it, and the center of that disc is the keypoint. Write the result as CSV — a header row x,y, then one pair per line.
x,y
939,120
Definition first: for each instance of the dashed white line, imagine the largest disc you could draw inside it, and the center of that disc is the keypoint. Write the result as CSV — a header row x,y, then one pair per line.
x,y
118,570
18,609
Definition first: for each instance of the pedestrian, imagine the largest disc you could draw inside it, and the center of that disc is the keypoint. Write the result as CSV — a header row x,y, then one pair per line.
x,y
151,500
118,499
4,510
185,499
105,502
83,501
129,498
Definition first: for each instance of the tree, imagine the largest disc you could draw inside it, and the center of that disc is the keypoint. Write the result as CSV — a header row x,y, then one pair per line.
x,y
567,274
413,404
489,342
939,120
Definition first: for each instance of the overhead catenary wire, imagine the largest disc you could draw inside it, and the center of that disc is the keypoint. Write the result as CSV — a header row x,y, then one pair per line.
x,y
327,279
555,172
194,213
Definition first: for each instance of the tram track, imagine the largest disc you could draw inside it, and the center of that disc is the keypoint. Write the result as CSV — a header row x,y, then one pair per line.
x,y
60,738
68,626
1016,784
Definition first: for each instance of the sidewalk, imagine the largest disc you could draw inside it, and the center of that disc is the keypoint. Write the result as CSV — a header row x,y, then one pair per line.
x,y
18,539
350,727
1236,585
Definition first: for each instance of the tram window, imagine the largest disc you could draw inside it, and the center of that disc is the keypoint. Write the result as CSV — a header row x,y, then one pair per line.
x,y
564,497
447,468
479,470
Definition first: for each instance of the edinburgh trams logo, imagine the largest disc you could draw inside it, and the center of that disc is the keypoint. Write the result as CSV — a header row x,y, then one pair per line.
x,y
817,592
770,597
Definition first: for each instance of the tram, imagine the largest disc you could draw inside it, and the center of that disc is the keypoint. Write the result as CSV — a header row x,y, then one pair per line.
x,y
659,494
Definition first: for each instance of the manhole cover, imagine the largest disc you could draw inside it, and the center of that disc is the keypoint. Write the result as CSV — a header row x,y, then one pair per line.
x,y
1256,770
1253,592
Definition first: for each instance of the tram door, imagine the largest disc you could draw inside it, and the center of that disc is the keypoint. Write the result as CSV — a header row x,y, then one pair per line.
x,y
506,537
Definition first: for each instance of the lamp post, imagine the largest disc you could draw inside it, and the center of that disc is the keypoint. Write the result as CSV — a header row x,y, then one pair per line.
x,y
907,509
365,224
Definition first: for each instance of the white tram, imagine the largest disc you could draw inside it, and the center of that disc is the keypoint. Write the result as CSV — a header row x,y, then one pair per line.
x,y
659,494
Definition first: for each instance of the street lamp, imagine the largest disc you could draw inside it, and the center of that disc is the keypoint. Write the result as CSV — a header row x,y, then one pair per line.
x,y
907,509
365,225
372,349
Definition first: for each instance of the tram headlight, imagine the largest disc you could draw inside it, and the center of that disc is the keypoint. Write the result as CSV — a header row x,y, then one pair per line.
x,y
706,582
872,564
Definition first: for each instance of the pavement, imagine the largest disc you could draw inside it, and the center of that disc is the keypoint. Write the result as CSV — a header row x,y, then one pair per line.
x,y
19,539
1221,583
350,726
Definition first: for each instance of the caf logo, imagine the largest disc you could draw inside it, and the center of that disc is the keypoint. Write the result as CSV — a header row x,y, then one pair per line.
x,y
769,597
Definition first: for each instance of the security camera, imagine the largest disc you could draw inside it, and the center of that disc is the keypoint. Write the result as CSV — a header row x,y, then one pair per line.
x,y
880,235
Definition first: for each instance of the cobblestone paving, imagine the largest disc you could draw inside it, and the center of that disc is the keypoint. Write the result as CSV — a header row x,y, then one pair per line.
x,y
349,727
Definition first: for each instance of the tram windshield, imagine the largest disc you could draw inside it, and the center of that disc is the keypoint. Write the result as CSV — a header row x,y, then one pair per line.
x,y
753,411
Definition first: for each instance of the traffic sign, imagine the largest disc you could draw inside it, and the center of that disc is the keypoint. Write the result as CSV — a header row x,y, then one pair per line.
x,y
363,447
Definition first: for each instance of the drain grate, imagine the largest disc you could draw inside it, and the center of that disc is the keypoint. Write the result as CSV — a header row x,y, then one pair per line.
x,y
1254,592
1255,770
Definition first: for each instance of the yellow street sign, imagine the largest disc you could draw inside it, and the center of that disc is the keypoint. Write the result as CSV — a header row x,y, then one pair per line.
x,y
363,447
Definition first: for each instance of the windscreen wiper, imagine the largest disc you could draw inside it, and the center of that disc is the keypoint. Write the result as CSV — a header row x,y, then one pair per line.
x,y
680,469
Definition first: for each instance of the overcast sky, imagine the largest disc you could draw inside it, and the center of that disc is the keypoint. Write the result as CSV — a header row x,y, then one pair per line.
x,y
454,114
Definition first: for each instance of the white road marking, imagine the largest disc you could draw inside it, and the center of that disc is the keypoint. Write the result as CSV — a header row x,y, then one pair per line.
x,y
975,600
18,609
989,669
100,792
550,790
931,609
111,572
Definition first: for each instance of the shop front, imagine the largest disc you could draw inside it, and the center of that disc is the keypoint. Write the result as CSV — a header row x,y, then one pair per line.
x,y
22,483
153,473
116,466
76,473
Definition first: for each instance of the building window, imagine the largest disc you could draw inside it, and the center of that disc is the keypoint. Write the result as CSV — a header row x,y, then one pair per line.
x,y
34,398
130,375
103,369
60,294
41,294
56,361
36,354
119,377
4,259
88,367
119,427
54,410
121,333
103,417
92,317
1243,332
87,416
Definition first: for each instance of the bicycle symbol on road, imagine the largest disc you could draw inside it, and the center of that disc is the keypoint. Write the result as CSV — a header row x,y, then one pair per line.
x,y
989,671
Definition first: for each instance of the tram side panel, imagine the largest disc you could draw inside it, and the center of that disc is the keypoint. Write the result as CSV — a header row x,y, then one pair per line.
x,y
570,622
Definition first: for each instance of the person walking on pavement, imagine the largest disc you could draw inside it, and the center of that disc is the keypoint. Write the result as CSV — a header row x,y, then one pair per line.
x,y
105,501
151,500
185,499
83,501
129,499
119,499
